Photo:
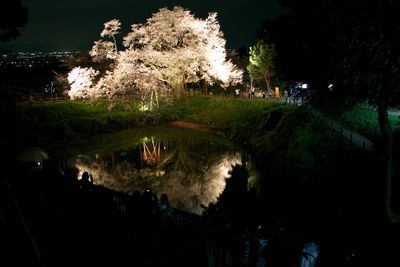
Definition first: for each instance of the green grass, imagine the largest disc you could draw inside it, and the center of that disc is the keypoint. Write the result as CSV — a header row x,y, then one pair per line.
x,y
237,118
47,121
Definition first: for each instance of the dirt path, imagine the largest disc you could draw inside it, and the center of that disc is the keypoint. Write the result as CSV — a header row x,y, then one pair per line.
x,y
199,127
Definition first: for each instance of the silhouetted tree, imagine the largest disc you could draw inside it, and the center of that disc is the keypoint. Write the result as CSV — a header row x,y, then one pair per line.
x,y
301,43
367,67
13,15
353,44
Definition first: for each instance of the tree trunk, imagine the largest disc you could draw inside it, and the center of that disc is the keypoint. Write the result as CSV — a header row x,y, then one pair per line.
x,y
115,44
151,101
186,93
156,93
177,92
267,81
203,87
387,157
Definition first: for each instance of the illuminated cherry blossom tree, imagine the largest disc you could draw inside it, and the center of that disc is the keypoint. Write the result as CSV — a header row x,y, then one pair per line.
x,y
102,49
81,80
111,28
217,68
161,56
182,49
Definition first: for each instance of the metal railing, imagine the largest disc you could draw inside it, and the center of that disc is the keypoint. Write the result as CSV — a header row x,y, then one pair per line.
x,y
354,138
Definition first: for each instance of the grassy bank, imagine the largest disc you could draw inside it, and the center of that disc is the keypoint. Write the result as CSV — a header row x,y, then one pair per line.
x,y
289,145
306,162
39,123
61,121
268,129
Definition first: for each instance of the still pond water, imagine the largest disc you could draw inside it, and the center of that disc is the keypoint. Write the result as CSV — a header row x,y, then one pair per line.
x,y
191,167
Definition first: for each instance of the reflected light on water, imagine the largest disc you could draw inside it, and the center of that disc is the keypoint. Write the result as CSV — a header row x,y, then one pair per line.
x,y
186,190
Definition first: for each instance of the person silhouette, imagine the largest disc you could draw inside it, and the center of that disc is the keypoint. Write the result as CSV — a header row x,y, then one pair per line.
x,y
149,220
165,209
86,182
134,207
135,201
309,256
164,204
71,180
85,201
150,202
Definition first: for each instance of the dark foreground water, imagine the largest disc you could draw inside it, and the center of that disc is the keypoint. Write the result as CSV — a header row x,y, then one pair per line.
x,y
191,167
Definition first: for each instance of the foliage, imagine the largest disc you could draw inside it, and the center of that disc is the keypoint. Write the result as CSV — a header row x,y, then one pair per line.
x,y
261,66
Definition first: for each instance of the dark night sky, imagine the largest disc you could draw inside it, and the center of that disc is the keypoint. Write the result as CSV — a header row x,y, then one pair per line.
x,y
71,25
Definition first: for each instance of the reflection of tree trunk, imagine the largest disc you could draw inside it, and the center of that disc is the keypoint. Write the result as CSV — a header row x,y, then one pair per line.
x,y
153,155
387,148
156,150
180,158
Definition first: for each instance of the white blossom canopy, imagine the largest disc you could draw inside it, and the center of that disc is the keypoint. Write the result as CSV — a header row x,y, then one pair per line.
x,y
172,47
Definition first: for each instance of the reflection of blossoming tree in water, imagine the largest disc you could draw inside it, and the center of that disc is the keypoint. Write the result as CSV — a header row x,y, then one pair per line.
x,y
182,154
184,157
191,172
